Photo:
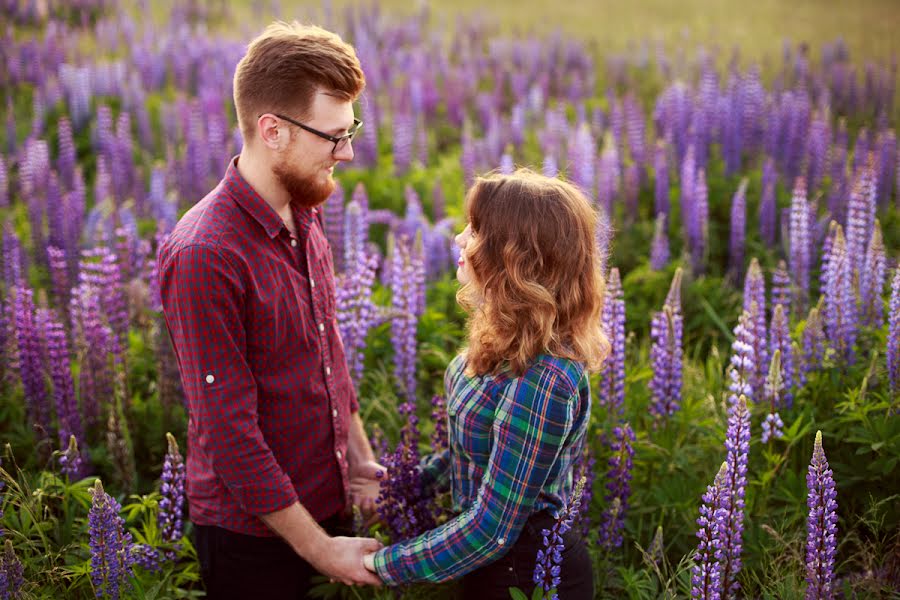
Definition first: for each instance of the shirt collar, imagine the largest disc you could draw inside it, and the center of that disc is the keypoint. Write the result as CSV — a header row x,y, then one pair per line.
x,y
248,199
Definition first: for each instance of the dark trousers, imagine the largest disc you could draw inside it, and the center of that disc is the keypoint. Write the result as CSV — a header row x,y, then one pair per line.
x,y
235,566
516,568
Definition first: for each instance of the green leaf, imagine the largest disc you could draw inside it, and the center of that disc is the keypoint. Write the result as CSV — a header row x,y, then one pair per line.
x,y
517,594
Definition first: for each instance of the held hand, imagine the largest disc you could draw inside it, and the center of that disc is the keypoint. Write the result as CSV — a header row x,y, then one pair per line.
x,y
341,559
365,484
369,562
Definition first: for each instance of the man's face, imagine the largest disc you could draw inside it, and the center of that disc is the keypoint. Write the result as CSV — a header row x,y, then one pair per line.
x,y
306,168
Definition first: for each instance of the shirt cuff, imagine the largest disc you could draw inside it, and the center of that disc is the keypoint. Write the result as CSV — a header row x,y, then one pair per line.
x,y
381,567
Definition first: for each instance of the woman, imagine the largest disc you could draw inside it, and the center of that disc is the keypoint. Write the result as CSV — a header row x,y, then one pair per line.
x,y
519,397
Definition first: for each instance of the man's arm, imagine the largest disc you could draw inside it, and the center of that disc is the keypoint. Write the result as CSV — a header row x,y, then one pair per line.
x,y
201,295
340,558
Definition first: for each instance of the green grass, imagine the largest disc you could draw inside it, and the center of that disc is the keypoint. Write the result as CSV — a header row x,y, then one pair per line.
x,y
757,27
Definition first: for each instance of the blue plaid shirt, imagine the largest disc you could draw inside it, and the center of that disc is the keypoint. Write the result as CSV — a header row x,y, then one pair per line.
x,y
513,442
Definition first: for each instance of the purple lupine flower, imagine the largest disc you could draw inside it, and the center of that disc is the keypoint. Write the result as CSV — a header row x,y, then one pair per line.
x,y
661,173
110,544
780,341
817,143
31,359
666,328
4,184
840,300
99,268
68,417
407,277
507,166
612,522
738,230
608,174
799,237
861,149
549,167
772,425
781,289
94,341
837,195
59,275
582,157
755,305
886,163
737,444
403,504
612,374
893,339
700,228
706,574
468,157
813,343
548,563
70,461
439,437
742,365
871,281
334,227
171,505
11,572
821,542
860,219
659,248
767,207
403,125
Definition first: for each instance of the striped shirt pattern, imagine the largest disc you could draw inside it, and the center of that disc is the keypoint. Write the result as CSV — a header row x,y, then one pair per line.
x,y
251,312
513,442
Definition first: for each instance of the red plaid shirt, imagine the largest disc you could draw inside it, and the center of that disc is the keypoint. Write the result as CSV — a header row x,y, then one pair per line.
x,y
251,312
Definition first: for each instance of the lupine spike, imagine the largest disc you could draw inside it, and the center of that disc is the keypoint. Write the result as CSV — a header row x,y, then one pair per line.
x,y
821,542
612,522
659,249
612,374
706,575
893,341
800,259
171,505
738,229
737,444
872,279
755,304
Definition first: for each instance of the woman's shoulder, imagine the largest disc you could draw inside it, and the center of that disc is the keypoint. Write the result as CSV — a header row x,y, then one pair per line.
x,y
560,376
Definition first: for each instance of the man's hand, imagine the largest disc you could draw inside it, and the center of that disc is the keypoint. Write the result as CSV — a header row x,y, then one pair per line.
x,y
341,559
365,484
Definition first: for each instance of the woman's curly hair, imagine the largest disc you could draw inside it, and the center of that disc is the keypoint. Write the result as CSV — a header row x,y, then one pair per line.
x,y
537,283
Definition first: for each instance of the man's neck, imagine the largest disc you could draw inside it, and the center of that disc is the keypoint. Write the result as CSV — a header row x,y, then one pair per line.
x,y
262,180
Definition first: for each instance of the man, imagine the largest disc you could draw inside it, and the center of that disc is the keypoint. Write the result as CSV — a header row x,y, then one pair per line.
x,y
276,447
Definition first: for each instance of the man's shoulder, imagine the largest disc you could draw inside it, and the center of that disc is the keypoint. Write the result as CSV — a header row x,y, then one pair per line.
x,y
206,224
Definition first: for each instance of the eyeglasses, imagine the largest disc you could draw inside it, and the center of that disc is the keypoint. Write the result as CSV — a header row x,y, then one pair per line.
x,y
340,142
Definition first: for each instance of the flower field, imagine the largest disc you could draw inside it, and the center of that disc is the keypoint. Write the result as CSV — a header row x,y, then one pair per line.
x,y
745,434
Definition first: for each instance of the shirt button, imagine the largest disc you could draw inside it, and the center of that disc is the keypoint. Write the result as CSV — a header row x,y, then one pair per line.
x,y
501,541
210,378
328,370
294,243
321,326
334,412
312,282
338,454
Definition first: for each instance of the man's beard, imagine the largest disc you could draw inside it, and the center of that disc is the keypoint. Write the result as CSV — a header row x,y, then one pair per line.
x,y
303,191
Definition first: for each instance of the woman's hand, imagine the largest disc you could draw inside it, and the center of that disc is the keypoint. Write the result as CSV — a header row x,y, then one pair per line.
x,y
369,562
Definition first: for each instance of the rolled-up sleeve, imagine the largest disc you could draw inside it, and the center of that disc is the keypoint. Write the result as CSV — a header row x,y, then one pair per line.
x,y
202,293
532,421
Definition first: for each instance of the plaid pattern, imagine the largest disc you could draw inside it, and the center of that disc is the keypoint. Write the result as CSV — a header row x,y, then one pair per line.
x,y
513,442
251,313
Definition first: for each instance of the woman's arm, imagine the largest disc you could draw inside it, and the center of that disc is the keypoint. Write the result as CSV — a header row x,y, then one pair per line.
x,y
533,419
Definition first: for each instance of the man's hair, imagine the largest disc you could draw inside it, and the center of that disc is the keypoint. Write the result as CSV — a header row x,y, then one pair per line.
x,y
537,284
284,68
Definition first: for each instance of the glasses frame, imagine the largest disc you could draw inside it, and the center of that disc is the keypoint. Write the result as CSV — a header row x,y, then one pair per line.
x,y
347,137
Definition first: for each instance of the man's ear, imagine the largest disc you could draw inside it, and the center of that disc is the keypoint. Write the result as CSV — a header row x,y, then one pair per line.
x,y
270,133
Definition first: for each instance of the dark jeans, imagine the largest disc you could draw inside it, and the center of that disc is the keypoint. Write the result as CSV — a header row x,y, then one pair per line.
x,y
238,566
516,568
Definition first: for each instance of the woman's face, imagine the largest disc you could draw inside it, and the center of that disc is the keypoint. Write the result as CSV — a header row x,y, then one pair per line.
x,y
462,266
